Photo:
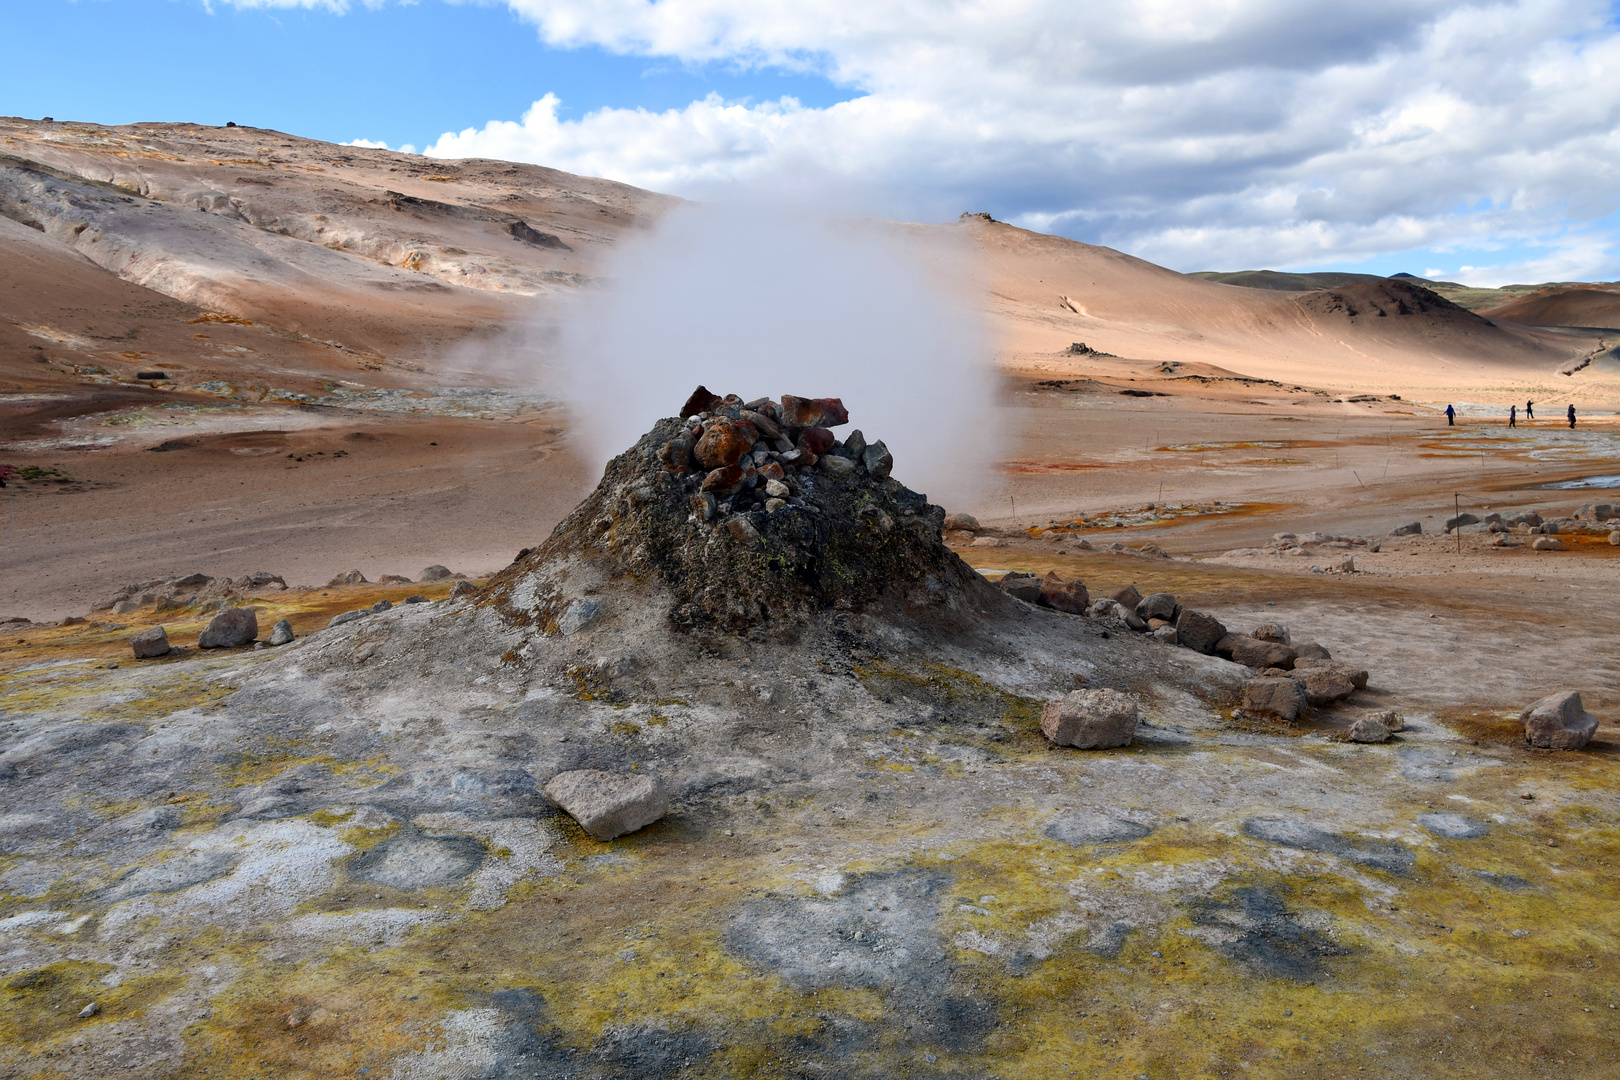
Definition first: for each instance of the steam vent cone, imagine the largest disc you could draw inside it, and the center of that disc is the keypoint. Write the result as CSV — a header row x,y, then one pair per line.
x,y
743,513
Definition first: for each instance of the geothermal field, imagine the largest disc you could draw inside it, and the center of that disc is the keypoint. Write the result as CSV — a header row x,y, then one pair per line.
x,y
461,619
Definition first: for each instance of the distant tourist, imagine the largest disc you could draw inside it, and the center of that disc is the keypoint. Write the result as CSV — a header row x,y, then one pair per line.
x,y
1572,416
1451,417
1529,410
1513,416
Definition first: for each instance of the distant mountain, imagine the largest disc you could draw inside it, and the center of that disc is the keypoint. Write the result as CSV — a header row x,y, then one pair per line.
x,y
1282,281
1587,305
1465,296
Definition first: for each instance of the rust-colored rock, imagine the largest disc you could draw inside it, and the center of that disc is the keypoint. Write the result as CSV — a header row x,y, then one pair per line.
x,y
724,442
813,412
724,481
817,440
1069,596
700,401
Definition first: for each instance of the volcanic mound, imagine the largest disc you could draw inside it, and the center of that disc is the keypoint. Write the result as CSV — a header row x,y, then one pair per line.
x,y
737,514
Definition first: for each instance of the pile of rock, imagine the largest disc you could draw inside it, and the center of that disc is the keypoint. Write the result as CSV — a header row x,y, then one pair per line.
x,y
743,511
1339,548
1050,591
1543,529
167,594
738,456
428,576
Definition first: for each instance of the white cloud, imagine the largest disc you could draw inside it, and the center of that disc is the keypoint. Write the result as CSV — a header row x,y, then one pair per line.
x,y
1218,133
373,144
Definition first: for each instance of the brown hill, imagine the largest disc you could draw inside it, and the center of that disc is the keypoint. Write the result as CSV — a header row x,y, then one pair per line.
x,y
1595,305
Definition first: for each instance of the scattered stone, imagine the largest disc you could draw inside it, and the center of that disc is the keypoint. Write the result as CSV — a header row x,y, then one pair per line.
x,y
418,598
1168,635
281,633
961,523
607,805
989,542
89,1010
1113,609
1367,730
742,528
1559,722
1091,719
1128,596
433,573
230,628
842,466
381,606
1199,631
149,643
1413,529
579,615
462,588
1254,653
1021,586
1272,632
1159,605
1390,719
1069,596
124,607
1281,698
1543,543
348,616
1614,538
1460,520
350,577
259,579
1345,565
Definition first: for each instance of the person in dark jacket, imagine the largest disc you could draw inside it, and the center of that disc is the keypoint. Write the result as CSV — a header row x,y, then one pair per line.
x,y
1451,416
1529,410
1572,417
1513,416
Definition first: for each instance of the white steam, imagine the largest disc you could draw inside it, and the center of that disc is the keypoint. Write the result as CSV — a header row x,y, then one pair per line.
x,y
759,303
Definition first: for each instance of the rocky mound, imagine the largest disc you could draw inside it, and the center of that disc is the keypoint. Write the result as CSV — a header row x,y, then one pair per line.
x,y
1382,297
744,512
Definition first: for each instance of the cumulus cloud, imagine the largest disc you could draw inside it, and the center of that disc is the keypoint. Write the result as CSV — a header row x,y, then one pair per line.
x,y
1199,133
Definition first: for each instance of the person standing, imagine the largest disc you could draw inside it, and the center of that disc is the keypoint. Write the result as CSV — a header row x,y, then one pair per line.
x,y
1451,416
1572,416
1529,410
1513,416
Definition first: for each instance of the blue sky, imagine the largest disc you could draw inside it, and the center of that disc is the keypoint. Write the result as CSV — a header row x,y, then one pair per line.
x,y
395,74
1477,140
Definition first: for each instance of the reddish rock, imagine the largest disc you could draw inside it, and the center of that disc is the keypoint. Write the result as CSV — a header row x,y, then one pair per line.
x,y
1128,596
817,440
772,471
724,442
700,401
1258,654
813,412
1091,719
724,481
1069,596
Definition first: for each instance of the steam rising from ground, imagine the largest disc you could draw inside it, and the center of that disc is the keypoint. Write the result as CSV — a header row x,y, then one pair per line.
x,y
759,302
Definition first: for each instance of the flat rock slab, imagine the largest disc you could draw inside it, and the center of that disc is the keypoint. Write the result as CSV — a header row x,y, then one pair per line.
x,y
607,804
1081,829
1286,832
1453,826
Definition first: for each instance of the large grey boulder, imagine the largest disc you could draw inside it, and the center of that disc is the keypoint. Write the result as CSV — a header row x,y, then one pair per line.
x,y
1257,654
281,633
230,628
435,573
149,643
961,523
1159,605
1091,719
1199,631
608,804
1281,698
1411,529
1559,722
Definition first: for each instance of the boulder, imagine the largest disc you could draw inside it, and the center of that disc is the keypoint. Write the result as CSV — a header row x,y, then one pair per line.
x,y
1614,538
347,617
813,412
1322,685
1167,634
1254,653
1357,676
349,577
149,643
961,523
1199,631
1460,520
579,615
1159,605
1091,719
607,804
1559,722
462,588
1411,529
381,606
1272,631
1391,719
1281,698
1069,596
1113,609
281,633
435,573
839,466
261,579
230,628
815,441
1540,543
393,579
989,541
1021,586
1310,650
1367,730
724,442
1128,596
878,461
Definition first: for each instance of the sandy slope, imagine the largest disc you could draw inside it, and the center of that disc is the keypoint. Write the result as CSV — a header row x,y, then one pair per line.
x,y
1595,305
